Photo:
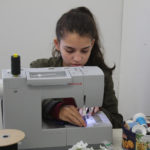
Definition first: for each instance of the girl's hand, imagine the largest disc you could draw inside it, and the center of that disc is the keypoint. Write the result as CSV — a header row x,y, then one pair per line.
x,y
94,110
70,114
90,110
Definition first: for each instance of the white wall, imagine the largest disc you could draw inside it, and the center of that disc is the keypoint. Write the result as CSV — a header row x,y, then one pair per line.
x,y
134,86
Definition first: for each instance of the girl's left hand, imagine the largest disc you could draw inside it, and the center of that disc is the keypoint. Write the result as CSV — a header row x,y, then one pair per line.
x,y
90,111
94,110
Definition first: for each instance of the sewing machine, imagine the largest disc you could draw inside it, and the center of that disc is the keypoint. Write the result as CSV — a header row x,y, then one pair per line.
x,y
22,105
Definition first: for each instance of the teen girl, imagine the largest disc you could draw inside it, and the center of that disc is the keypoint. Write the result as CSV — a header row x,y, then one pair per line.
x,y
77,44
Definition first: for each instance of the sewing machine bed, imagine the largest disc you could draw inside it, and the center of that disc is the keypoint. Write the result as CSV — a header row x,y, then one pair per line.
x,y
98,130
91,121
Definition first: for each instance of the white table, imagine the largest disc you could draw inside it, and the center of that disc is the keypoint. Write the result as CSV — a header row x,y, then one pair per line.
x,y
117,139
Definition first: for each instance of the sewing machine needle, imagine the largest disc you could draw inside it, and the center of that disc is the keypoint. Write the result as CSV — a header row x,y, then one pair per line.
x,y
84,106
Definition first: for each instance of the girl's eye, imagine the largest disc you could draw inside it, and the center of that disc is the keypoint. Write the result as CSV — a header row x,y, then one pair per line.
x,y
69,50
85,51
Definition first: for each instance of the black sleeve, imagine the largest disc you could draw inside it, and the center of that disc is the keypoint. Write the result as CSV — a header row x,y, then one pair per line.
x,y
110,103
40,63
47,105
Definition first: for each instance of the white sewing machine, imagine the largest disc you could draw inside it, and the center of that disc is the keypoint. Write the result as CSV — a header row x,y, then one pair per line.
x,y
22,105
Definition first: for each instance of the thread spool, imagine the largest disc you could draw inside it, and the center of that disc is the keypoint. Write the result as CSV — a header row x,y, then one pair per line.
x,y
148,130
9,139
131,123
15,64
140,118
139,129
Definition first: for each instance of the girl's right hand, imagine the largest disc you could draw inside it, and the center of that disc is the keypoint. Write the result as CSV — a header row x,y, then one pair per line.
x,y
70,114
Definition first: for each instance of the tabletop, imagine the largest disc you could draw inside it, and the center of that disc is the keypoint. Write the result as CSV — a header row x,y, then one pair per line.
x,y
117,139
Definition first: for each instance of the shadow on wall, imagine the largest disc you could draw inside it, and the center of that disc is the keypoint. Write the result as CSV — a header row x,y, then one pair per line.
x,y
1,92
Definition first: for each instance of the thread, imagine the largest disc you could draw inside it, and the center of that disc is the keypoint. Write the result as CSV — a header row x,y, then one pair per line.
x,y
140,118
131,123
139,129
15,64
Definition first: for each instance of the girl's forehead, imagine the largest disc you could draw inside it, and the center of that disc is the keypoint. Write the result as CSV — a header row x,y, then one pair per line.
x,y
75,38
75,35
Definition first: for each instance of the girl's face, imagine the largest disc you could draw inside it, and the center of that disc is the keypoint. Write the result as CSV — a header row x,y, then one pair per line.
x,y
75,49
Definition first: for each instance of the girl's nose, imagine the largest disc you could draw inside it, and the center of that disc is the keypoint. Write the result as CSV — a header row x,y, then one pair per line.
x,y
77,58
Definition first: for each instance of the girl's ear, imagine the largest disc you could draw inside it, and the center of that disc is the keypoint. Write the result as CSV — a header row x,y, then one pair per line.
x,y
57,45
93,41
